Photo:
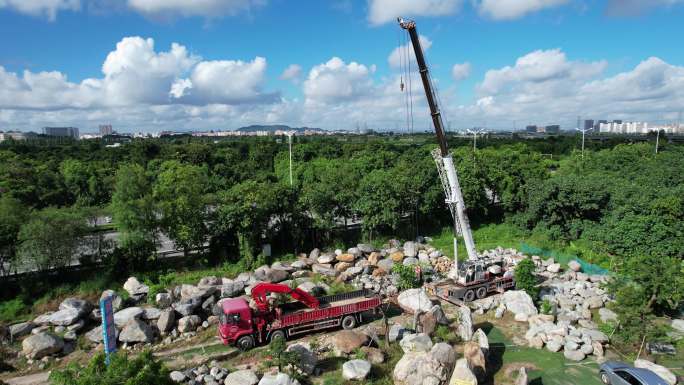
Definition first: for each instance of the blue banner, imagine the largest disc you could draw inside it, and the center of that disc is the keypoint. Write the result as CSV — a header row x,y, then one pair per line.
x,y
108,327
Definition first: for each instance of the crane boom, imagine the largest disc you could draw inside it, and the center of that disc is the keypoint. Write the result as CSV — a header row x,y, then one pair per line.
x,y
454,196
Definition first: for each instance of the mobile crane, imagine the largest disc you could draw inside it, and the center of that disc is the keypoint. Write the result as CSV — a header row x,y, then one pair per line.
x,y
476,277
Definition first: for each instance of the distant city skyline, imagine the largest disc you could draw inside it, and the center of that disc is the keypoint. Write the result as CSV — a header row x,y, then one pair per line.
x,y
146,65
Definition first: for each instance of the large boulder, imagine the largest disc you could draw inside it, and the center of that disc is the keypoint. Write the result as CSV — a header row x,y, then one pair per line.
x,y
573,355
40,345
414,300
356,369
462,374
346,341
660,370
163,300
307,358
475,357
95,335
65,317
416,343
82,306
574,266
397,332
519,302
410,249
136,331
241,377
189,323
21,329
481,338
386,265
277,379
122,317
136,288
606,315
424,368
346,257
522,376
465,323
166,321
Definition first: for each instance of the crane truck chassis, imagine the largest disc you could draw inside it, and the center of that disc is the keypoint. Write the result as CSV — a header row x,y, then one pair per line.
x,y
244,327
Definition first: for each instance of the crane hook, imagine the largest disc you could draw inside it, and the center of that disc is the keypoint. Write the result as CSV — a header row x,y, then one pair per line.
x,y
401,84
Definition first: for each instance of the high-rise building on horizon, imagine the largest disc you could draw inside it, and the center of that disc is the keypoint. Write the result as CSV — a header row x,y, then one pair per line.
x,y
553,129
106,129
589,124
71,132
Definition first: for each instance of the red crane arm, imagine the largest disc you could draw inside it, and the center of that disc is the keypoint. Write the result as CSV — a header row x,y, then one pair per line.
x,y
262,290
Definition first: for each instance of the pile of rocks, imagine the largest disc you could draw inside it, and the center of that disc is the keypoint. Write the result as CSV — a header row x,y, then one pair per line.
x,y
576,342
573,295
423,362
215,375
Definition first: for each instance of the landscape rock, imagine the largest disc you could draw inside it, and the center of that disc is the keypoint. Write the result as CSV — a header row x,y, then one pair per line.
x,y
553,268
122,317
241,377
163,300
21,329
82,306
413,300
308,359
346,341
424,368
660,370
481,338
346,257
65,317
373,355
324,269
136,331
151,313
356,369
462,374
277,379
135,288
475,357
189,323
386,265
177,376
574,266
410,249
117,301
573,355
413,343
95,335
397,332
397,256
41,345
519,302
465,323
166,321
522,376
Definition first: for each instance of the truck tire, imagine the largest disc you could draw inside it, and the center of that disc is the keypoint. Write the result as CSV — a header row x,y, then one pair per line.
x,y
481,292
469,296
348,322
245,343
278,334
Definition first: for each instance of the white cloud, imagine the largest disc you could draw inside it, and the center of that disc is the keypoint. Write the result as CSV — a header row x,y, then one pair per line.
x,y
203,8
336,81
460,71
383,11
41,8
292,73
514,9
398,55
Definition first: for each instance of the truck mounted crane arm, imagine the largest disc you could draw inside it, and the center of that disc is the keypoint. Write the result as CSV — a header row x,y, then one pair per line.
x,y
262,290
452,189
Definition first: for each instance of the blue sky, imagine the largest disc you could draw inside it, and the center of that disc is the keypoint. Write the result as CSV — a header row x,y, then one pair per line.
x,y
528,61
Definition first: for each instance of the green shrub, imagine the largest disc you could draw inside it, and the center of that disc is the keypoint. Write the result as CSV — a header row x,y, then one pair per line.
x,y
141,370
407,276
444,333
360,354
13,310
525,279
546,307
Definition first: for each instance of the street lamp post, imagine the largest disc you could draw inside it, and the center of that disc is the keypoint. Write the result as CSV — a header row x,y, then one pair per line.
x,y
657,140
475,133
289,139
583,131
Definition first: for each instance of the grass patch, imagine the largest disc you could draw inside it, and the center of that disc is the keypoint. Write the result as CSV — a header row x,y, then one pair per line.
x,y
549,368
13,311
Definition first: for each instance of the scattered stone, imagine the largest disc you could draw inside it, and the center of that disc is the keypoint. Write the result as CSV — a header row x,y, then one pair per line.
x,y
462,375
346,258
553,268
277,379
82,306
465,323
242,377
122,317
410,249
386,265
573,355
64,317
163,300
135,288
416,343
177,376
522,376
21,329
356,369
189,323
574,266
41,345
660,370
397,256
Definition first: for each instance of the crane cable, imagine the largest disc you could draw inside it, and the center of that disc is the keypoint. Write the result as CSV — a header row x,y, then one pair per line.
x,y
410,86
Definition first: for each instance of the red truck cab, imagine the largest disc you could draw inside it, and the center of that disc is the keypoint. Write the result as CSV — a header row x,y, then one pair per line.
x,y
235,321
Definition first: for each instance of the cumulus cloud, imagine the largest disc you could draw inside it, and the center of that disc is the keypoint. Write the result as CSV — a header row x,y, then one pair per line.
x,y
41,8
134,73
460,71
398,55
514,9
203,8
383,11
292,73
336,81
545,86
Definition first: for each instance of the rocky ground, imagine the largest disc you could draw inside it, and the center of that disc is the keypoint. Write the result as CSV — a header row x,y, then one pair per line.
x,y
180,313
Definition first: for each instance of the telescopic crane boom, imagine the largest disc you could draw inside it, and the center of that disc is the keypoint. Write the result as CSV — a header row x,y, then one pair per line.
x,y
445,163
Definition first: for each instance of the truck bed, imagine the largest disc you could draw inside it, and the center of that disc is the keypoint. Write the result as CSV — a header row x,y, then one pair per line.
x,y
331,306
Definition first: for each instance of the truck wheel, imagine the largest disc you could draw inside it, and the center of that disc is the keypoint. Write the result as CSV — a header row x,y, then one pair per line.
x,y
481,292
278,334
604,378
245,343
348,322
469,296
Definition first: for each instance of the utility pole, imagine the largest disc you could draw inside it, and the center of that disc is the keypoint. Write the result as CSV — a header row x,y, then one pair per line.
x,y
583,131
657,140
475,133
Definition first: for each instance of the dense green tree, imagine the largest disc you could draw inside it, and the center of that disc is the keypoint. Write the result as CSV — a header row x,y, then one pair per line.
x,y
51,238
12,215
525,278
379,203
179,194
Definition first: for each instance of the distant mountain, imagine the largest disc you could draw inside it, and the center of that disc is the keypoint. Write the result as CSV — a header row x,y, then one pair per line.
x,y
275,127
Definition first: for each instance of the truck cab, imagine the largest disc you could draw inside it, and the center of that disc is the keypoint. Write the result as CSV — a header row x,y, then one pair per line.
x,y
235,320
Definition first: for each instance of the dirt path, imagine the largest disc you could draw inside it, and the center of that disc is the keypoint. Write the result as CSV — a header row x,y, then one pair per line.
x,y
33,379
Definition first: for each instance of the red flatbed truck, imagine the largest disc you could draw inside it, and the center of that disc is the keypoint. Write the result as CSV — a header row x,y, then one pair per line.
x,y
245,327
